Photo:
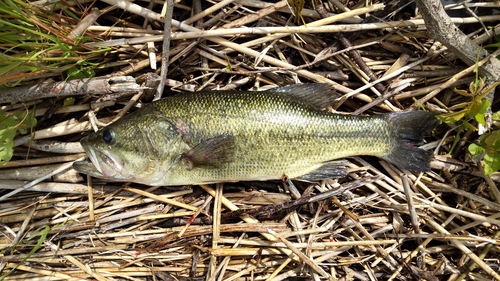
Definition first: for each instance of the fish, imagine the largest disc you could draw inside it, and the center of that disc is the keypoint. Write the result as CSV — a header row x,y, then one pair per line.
x,y
229,136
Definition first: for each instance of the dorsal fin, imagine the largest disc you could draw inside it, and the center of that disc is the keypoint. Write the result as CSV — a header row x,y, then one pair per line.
x,y
316,95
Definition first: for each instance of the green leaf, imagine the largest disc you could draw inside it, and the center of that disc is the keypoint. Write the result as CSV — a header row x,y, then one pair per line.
x,y
7,121
452,117
6,145
484,106
491,163
496,145
455,141
479,116
475,149
493,46
76,72
69,101
469,126
480,119
490,140
496,116
10,123
475,108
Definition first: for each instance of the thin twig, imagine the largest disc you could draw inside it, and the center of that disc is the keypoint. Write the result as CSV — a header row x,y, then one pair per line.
x,y
165,55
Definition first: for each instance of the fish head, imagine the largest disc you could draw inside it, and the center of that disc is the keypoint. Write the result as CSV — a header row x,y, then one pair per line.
x,y
138,148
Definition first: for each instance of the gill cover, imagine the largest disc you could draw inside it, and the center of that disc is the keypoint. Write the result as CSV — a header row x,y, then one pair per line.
x,y
131,149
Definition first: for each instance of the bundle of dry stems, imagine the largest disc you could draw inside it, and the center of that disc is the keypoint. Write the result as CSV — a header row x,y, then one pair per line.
x,y
379,223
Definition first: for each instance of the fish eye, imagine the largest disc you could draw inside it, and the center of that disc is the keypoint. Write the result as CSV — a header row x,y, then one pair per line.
x,y
108,136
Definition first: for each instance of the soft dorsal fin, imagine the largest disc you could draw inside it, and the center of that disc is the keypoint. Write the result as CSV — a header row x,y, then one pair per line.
x,y
316,95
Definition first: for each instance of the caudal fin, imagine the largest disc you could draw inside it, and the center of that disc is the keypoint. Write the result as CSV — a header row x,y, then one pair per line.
x,y
409,128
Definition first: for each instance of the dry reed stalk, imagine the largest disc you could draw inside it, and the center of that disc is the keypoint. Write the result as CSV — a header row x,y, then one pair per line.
x,y
161,199
397,226
59,130
43,161
315,27
232,207
75,108
467,252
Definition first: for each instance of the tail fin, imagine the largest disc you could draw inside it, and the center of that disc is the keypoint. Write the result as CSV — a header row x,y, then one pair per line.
x,y
409,128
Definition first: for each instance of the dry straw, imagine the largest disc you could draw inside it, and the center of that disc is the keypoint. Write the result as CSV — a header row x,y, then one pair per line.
x,y
378,223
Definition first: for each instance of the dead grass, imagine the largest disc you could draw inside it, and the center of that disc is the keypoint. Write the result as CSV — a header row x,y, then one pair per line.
x,y
379,223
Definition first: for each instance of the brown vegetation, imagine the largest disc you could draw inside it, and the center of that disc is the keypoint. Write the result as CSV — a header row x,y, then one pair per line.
x,y
379,223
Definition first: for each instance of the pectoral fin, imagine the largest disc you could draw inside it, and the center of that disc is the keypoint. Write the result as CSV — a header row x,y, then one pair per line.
x,y
334,169
212,152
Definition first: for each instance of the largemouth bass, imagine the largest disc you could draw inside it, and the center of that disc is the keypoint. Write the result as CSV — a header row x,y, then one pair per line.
x,y
222,136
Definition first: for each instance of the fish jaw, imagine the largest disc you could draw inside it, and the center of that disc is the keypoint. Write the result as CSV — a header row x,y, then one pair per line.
x,y
104,163
88,168
108,163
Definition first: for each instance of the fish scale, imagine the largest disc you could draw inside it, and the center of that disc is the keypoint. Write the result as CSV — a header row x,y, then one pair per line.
x,y
223,136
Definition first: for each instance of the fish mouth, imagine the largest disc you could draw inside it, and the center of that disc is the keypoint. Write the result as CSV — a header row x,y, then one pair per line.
x,y
103,163
88,168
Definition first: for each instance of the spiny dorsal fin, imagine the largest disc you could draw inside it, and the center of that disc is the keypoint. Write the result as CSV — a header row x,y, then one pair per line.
x,y
316,95
211,152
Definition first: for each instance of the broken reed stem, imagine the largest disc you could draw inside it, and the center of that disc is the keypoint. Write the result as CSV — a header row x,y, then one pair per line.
x,y
208,11
42,161
70,127
273,208
62,168
477,218
247,218
165,55
310,28
453,79
97,86
313,245
161,199
465,250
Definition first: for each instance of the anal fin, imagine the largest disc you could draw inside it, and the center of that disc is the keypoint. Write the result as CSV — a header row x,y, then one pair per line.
x,y
333,169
